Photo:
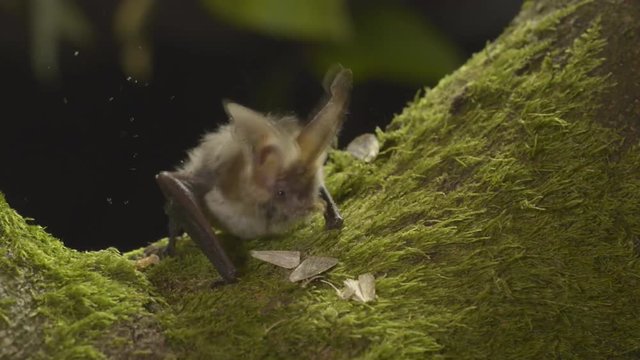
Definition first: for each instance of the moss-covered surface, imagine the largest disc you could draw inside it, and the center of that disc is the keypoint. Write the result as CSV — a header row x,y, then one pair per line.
x,y
501,221
63,304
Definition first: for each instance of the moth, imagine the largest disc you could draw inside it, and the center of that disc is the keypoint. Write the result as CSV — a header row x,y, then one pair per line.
x,y
257,175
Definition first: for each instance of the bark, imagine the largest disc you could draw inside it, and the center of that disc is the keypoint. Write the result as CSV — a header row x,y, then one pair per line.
x,y
500,220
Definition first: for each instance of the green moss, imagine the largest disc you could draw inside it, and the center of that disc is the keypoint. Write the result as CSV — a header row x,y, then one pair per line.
x,y
64,299
500,220
495,220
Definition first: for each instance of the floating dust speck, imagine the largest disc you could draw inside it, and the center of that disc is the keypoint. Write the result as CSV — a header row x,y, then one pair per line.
x,y
312,266
285,259
362,290
76,53
364,147
147,261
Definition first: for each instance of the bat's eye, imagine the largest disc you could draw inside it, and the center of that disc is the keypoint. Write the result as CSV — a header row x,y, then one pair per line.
x,y
280,193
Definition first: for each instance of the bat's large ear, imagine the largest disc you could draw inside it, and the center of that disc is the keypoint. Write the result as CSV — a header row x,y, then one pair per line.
x,y
261,142
316,137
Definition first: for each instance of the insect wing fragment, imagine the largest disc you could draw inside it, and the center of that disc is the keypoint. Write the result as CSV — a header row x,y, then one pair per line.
x,y
367,287
365,147
312,266
363,289
349,290
285,259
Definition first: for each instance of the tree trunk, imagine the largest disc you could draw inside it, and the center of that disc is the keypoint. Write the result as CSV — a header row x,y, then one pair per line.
x,y
501,220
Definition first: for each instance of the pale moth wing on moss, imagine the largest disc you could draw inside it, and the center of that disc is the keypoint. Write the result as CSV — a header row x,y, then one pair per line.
x,y
349,289
367,287
362,290
285,259
312,266
364,147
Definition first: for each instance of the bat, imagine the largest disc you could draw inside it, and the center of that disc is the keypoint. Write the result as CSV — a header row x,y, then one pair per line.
x,y
258,175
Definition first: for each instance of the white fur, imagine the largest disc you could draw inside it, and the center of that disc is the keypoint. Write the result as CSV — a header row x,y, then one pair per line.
x,y
241,220
242,217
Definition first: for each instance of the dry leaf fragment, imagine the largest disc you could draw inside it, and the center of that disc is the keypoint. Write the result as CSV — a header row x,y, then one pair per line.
x,y
312,266
285,259
364,147
147,261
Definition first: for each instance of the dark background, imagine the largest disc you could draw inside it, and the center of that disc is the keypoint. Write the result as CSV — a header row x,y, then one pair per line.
x,y
83,134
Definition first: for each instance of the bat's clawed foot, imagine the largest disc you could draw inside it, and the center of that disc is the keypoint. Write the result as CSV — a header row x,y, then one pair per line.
x,y
333,222
168,251
161,251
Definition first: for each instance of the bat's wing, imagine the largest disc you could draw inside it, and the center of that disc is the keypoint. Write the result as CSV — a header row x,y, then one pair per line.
x,y
183,208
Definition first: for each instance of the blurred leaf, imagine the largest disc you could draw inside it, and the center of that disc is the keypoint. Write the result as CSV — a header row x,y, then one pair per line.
x,y
391,42
130,30
292,19
11,6
53,21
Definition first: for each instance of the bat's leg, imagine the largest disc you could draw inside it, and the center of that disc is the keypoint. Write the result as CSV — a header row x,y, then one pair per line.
x,y
174,232
332,217
183,208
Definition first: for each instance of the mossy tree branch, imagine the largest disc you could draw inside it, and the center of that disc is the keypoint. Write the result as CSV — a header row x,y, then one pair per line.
x,y
501,220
